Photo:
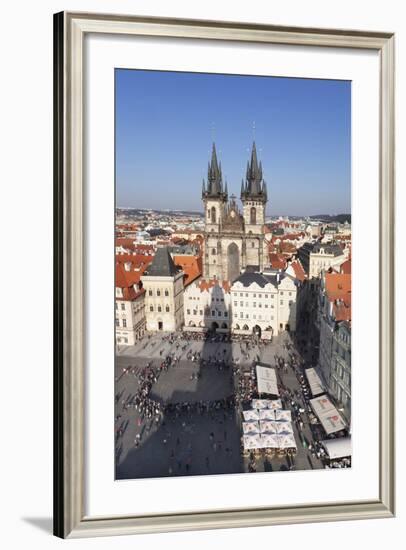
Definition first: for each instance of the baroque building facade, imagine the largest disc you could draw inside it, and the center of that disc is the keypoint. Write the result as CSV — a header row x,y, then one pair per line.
x,y
234,240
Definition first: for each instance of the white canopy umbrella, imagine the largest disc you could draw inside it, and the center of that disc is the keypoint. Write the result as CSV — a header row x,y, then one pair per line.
x,y
284,428
268,426
287,441
267,414
250,427
282,414
259,403
275,404
270,441
251,414
252,441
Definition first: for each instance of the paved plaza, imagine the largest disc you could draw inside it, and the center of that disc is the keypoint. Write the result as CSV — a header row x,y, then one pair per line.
x,y
193,442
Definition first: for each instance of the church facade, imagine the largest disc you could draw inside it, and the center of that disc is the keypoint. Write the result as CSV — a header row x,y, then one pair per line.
x,y
233,239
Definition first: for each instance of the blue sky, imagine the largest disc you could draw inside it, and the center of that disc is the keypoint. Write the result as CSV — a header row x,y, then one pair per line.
x,y
164,132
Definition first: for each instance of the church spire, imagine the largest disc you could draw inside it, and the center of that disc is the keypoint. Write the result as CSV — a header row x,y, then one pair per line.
x,y
214,177
254,179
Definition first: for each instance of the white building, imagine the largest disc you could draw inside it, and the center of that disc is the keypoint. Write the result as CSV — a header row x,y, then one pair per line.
x,y
129,307
264,304
163,283
207,306
317,257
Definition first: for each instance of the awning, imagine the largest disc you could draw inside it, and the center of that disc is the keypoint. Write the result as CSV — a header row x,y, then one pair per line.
x,y
259,403
270,441
338,448
316,386
284,428
266,380
328,415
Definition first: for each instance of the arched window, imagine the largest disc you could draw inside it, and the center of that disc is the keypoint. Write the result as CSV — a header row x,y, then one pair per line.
x,y
213,251
245,327
208,213
213,215
253,216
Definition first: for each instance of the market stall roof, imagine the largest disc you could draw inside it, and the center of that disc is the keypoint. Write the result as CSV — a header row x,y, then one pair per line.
x,y
316,386
260,403
252,441
283,415
266,380
250,427
284,428
267,414
270,441
338,448
328,415
275,404
268,426
251,414
287,441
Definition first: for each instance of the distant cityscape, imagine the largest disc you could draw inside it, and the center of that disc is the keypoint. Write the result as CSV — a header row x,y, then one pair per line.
x,y
233,335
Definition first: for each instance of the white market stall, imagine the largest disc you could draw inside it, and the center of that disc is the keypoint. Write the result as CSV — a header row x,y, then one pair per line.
x,y
250,427
266,414
338,448
268,426
251,442
283,415
284,428
316,386
266,380
287,441
251,414
328,415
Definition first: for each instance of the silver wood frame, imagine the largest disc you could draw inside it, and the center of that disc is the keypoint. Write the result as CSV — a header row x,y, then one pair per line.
x,y
69,517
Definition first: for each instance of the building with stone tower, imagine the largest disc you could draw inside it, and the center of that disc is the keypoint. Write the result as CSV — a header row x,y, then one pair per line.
x,y
234,239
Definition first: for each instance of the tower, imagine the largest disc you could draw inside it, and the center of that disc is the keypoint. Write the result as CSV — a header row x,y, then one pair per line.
x,y
214,197
254,197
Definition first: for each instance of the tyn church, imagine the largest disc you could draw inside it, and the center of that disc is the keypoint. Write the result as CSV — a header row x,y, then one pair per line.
x,y
234,240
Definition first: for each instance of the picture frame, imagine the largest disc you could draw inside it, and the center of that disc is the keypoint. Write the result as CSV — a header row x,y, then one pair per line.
x,y
70,519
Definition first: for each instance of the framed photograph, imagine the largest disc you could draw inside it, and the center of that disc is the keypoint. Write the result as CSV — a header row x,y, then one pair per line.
x,y
224,275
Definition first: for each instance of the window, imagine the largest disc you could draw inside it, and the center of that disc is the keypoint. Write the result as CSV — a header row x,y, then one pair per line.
x,y
166,292
253,216
213,251
201,312
117,322
151,308
246,294
241,315
254,295
266,296
150,292
225,314
252,244
124,323
266,305
281,293
259,305
188,311
290,294
167,309
122,305
158,292
242,304
116,305
125,340
241,294
235,303
213,215
159,308
254,304
281,302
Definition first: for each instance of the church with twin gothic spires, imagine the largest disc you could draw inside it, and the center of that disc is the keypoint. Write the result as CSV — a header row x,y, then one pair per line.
x,y
234,239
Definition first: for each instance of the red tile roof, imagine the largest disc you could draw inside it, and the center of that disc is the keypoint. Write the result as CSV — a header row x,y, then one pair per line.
x,y
346,267
277,261
299,271
126,281
206,284
191,266
338,290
